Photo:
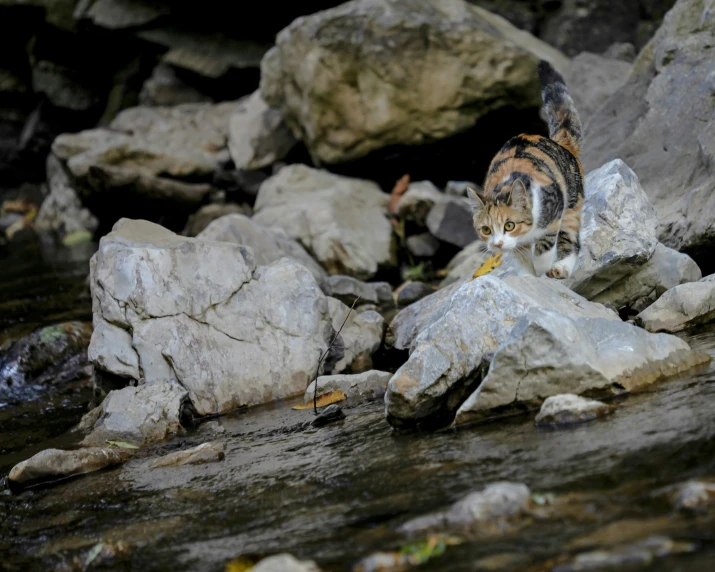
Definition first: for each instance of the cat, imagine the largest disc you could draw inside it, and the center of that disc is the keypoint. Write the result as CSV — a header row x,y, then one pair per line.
x,y
533,192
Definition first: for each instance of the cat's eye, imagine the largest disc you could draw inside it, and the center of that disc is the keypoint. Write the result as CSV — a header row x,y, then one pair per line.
x,y
509,226
486,230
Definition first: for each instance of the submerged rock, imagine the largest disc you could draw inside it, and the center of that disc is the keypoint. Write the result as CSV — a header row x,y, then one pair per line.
x,y
341,221
359,387
548,353
54,464
367,93
330,414
681,307
568,408
204,453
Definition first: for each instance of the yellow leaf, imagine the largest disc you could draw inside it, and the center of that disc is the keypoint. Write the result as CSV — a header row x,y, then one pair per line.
x,y
324,400
490,264
240,564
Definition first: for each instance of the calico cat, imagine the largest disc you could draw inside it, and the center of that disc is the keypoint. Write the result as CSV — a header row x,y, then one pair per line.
x,y
533,192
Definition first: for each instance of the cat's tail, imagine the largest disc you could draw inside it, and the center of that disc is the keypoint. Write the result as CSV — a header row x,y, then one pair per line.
x,y
564,122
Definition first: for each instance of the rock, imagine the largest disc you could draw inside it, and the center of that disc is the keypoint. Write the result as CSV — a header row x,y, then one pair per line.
x,y
347,289
618,231
694,495
138,415
465,263
50,356
54,464
422,245
341,221
62,211
410,292
204,453
366,93
285,563
361,387
681,307
549,353
452,222
592,79
208,213
328,415
417,201
268,244
567,408
492,508
122,14
166,88
63,86
166,308
668,98
666,269
459,188
258,136
449,333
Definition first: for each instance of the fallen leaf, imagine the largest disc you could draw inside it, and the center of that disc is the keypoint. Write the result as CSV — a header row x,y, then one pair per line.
x,y
122,444
423,550
490,264
240,564
397,191
324,400
20,206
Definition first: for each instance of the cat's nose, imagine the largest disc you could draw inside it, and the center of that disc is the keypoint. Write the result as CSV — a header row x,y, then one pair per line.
x,y
499,243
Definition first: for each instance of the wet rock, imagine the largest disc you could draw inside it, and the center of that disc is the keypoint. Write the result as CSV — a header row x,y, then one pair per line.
x,y
258,136
449,335
592,79
204,453
548,353
166,308
165,88
490,509
51,356
452,222
54,464
360,337
568,408
62,212
367,94
347,289
618,232
411,291
208,213
360,387
328,415
341,221
285,563
122,14
417,201
681,307
664,270
668,98
422,245
268,244
694,495
138,415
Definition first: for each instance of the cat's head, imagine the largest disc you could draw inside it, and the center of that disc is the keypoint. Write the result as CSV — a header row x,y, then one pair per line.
x,y
502,220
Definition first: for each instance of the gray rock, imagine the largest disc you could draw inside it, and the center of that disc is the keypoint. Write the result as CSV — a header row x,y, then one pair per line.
x,y
466,262
459,188
668,99
618,232
204,453
208,213
165,88
121,14
498,504
63,86
137,415
664,270
448,339
53,464
62,211
452,222
347,289
367,94
417,201
549,353
422,245
361,335
694,495
166,308
285,563
268,244
681,307
361,387
258,136
564,409
341,221
410,292
330,414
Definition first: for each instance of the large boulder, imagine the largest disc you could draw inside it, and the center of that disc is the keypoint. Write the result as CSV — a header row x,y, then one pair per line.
x,y
681,307
201,313
346,80
662,123
268,244
341,221
548,353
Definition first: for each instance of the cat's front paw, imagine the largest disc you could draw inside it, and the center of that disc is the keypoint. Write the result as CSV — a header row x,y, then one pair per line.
x,y
558,271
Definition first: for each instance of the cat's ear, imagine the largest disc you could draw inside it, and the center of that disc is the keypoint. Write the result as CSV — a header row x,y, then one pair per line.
x,y
474,199
518,195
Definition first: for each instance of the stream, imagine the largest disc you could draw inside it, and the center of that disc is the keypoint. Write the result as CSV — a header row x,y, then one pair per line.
x,y
336,494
